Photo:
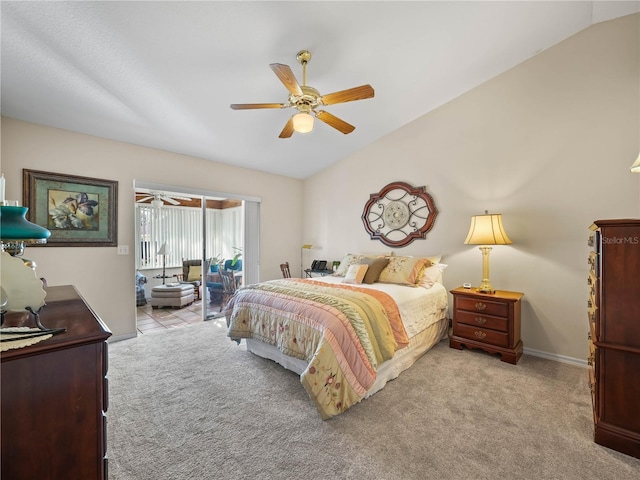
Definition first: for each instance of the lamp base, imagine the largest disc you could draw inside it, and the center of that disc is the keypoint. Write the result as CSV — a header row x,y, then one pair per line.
x,y
488,290
485,286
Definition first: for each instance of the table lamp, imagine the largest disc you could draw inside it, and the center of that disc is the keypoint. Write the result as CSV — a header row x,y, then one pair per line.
x,y
486,230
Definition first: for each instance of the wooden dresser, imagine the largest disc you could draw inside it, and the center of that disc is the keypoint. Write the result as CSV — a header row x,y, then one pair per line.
x,y
614,333
54,395
487,321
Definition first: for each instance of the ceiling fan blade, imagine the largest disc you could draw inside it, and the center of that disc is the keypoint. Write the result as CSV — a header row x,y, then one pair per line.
x,y
170,200
247,106
287,131
357,93
142,200
334,122
286,76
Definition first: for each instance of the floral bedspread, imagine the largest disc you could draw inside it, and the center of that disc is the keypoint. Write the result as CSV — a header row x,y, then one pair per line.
x,y
343,331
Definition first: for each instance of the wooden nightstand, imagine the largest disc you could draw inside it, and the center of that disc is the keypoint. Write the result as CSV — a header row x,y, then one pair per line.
x,y
487,321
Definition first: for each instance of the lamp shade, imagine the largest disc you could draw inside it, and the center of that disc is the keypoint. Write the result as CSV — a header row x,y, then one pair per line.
x,y
302,122
635,168
14,226
487,229
163,249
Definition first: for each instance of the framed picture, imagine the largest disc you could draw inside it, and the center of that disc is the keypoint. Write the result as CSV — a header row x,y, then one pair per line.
x,y
79,211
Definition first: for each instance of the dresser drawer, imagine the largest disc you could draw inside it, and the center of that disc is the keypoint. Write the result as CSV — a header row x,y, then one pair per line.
x,y
483,335
481,320
484,306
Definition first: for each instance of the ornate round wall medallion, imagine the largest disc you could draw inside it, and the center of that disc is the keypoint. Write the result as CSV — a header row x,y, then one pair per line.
x,y
399,214
396,214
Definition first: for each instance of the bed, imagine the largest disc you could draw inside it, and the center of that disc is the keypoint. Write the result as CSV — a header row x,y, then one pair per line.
x,y
345,337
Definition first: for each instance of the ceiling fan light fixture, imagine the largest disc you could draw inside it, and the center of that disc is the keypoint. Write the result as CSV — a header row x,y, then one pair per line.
x,y
302,122
157,203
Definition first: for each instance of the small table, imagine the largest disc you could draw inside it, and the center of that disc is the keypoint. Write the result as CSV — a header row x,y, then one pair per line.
x,y
175,295
163,277
322,273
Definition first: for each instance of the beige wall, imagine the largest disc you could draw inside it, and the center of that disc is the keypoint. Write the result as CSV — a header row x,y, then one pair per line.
x,y
548,144
106,279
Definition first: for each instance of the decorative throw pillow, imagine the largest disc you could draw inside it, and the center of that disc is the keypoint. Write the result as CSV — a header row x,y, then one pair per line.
x,y
348,260
431,274
355,274
402,270
195,273
376,265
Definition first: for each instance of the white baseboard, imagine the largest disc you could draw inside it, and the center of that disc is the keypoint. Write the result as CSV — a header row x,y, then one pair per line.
x,y
122,337
558,358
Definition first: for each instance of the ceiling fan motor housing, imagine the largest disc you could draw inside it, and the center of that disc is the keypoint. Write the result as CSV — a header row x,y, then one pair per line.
x,y
309,99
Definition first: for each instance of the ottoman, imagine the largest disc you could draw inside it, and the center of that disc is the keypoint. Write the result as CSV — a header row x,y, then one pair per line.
x,y
175,295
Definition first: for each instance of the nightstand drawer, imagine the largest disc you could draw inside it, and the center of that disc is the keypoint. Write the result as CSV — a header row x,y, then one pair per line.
x,y
489,307
481,320
484,335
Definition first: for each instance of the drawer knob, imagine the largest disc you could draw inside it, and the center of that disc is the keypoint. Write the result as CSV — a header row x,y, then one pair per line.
x,y
480,334
480,320
480,306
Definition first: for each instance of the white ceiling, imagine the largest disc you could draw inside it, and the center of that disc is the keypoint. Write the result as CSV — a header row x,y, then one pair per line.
x,y
162,74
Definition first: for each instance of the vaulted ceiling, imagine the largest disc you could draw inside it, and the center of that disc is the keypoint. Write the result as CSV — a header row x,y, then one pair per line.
x,y
163,74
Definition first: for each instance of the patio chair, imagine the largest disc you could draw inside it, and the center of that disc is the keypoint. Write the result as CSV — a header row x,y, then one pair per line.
x,y
192,274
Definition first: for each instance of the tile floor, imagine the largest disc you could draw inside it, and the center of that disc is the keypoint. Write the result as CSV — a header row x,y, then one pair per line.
x,y
158,319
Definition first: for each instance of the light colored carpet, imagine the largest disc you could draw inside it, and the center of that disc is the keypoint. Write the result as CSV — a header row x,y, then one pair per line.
x,y
189,403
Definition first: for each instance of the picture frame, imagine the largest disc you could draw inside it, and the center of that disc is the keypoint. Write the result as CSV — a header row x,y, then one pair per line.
x,y
79,211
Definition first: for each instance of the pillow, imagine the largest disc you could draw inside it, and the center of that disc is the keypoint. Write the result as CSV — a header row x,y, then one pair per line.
x,y
195,273
431,274
376,265
402,270
348,260
355,274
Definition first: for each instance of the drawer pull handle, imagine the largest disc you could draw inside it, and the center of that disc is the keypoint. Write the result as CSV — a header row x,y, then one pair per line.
x,y
480,306
480,320
480,335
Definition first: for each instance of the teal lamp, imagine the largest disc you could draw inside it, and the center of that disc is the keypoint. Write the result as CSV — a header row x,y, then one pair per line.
x,y
16,230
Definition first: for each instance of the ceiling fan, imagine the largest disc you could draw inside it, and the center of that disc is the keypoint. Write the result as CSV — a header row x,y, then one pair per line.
x,y
306,100
158,199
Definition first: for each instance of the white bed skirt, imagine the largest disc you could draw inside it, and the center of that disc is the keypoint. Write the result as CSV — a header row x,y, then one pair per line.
x,y
403,359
